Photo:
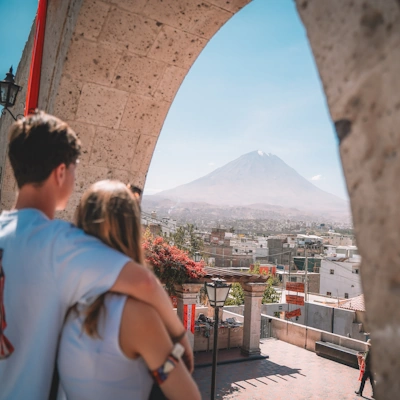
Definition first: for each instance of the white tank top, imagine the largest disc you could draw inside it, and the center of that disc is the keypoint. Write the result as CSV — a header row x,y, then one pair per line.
x,y
97,368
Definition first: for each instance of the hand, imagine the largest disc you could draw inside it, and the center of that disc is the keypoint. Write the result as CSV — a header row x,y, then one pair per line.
x,y
187,357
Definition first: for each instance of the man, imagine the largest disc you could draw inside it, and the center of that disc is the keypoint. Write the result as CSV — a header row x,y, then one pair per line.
x,y
367,371
49,265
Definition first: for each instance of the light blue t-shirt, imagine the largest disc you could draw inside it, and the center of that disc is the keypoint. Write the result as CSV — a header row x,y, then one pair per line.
x,y
49,265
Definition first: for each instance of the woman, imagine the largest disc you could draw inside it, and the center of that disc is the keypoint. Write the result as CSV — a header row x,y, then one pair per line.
x,y
115,347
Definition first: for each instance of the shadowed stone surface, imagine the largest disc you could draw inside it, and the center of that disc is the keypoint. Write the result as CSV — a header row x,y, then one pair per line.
x,y
356,48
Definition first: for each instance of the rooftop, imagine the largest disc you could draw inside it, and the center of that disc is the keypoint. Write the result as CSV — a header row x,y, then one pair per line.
x,y
290,373
355,303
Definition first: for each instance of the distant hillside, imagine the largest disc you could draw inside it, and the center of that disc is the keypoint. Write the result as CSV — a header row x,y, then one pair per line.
x,y
259,181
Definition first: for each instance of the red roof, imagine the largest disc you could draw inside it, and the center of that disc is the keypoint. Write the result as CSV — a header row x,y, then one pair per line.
x,y
355,303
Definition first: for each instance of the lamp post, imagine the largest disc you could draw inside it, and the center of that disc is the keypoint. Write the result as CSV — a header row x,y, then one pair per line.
x,y
8,93
217,292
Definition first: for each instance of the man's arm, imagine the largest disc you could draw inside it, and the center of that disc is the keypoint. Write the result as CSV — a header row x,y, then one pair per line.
x,y
139,282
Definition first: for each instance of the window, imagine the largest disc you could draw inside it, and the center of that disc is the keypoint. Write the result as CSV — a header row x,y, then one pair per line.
x,y
293,279
329,293
346,295
332,272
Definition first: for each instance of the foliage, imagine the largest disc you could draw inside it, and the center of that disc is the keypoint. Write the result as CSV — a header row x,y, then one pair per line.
x,y
270,294
186,239
235,296
170,264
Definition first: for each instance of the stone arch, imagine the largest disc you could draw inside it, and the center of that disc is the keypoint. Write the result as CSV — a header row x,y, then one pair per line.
x,y
112,68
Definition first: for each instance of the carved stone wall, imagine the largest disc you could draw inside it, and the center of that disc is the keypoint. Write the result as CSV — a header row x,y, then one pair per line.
x,y
356,45
113,67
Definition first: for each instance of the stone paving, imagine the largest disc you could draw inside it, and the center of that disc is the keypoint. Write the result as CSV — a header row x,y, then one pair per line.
x,y
289,373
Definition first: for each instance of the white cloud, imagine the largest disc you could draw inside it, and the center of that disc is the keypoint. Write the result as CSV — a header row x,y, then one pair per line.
x,y
211,164
316,178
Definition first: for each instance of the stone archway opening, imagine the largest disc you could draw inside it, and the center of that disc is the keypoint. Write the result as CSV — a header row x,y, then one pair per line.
x,y
111,69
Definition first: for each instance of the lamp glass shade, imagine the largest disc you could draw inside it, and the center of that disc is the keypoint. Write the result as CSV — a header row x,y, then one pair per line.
x,y
217,293
3,92
13,94
8,90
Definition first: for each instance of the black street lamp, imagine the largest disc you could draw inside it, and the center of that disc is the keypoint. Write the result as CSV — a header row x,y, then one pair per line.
x,y
217,292
8,93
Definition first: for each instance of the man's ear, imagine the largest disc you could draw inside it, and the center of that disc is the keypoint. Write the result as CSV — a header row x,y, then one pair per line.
x,y
60,174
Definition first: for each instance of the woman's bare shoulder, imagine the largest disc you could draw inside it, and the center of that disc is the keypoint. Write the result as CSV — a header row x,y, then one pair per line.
x,y
144,321
141,316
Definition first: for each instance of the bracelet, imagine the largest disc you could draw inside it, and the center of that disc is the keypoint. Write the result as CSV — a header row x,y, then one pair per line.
x,y
176,339
161,374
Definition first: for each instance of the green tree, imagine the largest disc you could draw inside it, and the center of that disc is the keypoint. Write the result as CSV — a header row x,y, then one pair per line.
x,y
236,295
270,294
185,238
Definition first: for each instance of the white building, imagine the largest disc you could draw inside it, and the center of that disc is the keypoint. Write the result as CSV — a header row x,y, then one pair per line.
x,y
337,239
340,279
243,246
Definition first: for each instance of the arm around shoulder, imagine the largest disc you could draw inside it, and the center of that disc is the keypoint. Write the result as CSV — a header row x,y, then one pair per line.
x,y
139,282
143,333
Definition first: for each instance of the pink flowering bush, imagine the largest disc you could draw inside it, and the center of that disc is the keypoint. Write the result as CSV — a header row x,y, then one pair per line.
x,y
170,264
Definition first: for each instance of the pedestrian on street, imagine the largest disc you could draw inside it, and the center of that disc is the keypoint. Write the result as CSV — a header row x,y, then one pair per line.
x,y
367,371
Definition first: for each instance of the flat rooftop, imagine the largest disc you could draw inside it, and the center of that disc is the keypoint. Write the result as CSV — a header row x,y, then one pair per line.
x,y
290,373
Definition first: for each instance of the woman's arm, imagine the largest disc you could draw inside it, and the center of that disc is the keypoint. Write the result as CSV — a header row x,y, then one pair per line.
x,y
139,282
143,333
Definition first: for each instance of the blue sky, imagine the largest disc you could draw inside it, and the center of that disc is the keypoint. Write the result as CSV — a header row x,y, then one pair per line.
x,y
254,87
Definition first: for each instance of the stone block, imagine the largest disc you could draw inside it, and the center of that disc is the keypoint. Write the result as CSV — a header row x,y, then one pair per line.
x,y
9,183
86,134
7,200
87,175
113,148
144,152
92,16
209,21
176,14
67,99
91,62
137,178
170,82
135,6
130,31
144,114
121,175
236,337
230,5
201,343
139,75
101,106
176,47
223,338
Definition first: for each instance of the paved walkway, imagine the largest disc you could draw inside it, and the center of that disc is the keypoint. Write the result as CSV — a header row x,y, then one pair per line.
x,y
290,373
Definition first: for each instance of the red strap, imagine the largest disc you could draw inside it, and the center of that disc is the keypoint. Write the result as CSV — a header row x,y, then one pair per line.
x,y
6,348
32,92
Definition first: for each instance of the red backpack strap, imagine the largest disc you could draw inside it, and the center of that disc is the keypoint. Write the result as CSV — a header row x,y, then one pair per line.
x,y
6,348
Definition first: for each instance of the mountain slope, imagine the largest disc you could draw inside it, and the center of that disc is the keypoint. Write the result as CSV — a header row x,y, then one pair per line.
x,y
257,178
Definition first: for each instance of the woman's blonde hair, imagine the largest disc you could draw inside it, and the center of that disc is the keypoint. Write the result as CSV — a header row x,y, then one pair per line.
x,y
109,211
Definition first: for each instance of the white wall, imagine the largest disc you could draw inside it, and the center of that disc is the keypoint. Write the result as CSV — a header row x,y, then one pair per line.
x,y
342,281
